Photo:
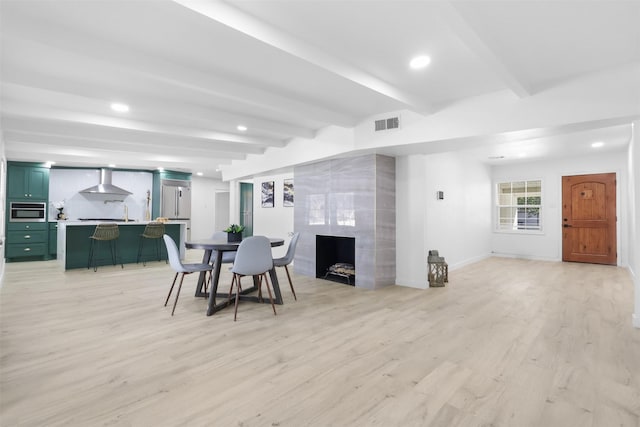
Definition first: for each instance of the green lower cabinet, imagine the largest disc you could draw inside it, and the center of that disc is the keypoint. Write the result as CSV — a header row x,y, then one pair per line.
x,y
127,244
26,241
53,239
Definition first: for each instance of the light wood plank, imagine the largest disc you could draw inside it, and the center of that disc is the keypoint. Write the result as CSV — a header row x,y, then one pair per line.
x,y
507,342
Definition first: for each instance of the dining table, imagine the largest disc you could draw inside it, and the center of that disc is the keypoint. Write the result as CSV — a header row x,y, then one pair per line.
x,y
221,246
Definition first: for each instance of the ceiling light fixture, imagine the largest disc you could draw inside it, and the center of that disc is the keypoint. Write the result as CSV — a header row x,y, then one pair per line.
x,y
419,62
199,173
242,128
119,107
597,144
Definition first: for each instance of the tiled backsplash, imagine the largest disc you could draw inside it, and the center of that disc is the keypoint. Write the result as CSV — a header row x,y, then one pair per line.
x,y
65,184
350,197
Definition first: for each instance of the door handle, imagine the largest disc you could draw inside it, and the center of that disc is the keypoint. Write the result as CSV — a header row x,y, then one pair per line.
x,y
27,236
566,225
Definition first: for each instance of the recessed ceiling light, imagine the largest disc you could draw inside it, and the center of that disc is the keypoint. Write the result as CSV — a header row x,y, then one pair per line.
x,y
199,173
242,128
419,62
112,165
119,107
597,144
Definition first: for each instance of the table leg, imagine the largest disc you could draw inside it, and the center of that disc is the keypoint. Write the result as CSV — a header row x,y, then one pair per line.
x,y
203,275
214,284
276,285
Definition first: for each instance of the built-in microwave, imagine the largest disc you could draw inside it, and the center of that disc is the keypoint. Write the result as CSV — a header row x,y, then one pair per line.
x,y
28,212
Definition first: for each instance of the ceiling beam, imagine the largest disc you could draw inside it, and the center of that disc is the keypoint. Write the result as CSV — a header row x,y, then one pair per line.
x,y
121,61
92,123
38,88
240,21
478,46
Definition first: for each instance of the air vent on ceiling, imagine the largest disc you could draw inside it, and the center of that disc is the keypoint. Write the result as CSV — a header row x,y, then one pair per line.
x,y
390,123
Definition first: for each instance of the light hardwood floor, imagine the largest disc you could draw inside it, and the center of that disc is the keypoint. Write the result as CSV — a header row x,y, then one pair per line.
x,y
506,343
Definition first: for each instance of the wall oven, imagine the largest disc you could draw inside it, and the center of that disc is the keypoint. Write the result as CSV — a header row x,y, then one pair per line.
x,y
28,212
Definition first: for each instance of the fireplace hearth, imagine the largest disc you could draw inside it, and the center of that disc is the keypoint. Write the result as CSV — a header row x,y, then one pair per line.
x,y
335,259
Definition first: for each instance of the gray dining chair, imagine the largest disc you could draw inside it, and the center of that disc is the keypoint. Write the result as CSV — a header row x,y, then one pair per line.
x,y
288,259
228,257
253,259
180,268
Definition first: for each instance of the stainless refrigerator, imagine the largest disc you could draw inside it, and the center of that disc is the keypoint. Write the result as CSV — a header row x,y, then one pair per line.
x,y
175,201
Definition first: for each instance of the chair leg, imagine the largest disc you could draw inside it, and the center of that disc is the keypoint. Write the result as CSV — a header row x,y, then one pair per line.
x,y
269,290
140,245
171,289
238,290
177,294
290,282
90,254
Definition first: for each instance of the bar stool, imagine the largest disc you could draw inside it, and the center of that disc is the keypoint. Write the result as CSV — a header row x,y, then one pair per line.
x,y
154,231
105,232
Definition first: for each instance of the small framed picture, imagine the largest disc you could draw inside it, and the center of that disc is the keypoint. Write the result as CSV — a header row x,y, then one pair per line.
x,y
287,193
267,194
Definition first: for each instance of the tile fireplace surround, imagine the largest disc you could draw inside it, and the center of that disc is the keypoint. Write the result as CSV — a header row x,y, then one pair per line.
x,y
350,197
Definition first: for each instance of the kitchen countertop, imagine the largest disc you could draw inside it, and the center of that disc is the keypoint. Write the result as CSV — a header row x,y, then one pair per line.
x,y
69,222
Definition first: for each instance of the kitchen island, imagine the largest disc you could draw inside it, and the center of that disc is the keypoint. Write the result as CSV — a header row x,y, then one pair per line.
x,y
74,242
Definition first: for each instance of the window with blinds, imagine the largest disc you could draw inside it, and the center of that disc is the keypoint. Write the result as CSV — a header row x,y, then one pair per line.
x,y
518,205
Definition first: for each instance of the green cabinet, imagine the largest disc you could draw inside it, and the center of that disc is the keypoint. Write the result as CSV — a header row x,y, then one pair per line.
x,y
53,239
27,181
26,241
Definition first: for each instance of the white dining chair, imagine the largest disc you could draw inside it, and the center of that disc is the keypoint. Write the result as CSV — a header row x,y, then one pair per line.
x,y
253,259
288,259
180,268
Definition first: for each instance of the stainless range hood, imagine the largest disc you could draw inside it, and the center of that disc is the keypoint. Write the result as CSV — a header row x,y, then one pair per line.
x,y
105,186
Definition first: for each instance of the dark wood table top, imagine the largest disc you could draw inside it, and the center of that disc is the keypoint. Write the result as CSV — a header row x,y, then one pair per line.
x,y
223,245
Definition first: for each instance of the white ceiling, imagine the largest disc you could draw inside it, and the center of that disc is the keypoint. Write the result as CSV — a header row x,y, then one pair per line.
x,y
192,71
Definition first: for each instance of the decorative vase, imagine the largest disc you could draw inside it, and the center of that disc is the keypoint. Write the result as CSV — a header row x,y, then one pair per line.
x,y
60,214
234,237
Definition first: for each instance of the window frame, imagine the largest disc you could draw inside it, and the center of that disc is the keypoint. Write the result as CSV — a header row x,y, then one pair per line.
x,y
497,206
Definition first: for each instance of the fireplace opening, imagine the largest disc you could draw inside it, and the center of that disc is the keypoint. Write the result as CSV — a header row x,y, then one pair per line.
x,y
336,259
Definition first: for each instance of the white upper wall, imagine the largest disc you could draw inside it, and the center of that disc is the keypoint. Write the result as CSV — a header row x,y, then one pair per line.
x,y
278,220
634,217
547,244
457,226
203,205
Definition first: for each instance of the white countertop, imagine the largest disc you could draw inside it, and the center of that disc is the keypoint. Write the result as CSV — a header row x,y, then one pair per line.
x,y
76,222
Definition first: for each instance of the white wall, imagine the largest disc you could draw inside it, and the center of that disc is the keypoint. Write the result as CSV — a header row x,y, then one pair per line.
x,y
547,245
457,226
411,269
65,184
276,221
203,206
634,217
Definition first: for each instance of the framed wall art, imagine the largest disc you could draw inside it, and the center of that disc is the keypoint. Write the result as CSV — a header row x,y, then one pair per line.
x,y
287,193
267,194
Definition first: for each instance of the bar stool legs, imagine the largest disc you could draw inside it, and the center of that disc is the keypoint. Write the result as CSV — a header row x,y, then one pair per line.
x,y
109,233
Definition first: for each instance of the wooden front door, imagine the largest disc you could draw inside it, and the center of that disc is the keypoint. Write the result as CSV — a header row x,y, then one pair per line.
x,y
589,218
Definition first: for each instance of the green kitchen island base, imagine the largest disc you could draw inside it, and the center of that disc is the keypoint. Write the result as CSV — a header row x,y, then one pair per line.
x,y
74,242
